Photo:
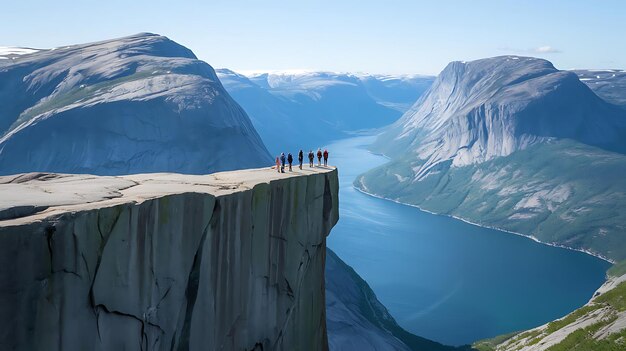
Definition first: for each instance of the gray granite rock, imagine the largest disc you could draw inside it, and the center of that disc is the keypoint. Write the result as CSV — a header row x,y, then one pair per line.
x,y
228,261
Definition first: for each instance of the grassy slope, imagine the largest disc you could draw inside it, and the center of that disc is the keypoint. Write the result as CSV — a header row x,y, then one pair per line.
x,y
581,339
527,192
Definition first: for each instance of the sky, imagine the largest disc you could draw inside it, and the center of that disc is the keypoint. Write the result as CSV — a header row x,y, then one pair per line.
x,y
388,37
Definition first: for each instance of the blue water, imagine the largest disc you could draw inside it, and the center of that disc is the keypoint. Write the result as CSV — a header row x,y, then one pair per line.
x,y
447,280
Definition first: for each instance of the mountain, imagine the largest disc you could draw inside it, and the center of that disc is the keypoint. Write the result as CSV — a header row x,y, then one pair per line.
x,y
142,103
609,84
307,109
358,321
512,142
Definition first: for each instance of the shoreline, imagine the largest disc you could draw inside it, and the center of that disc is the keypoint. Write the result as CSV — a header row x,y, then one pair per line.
x,y
531,237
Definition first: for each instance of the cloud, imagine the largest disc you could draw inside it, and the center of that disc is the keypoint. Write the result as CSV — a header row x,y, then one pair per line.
x,y
546,49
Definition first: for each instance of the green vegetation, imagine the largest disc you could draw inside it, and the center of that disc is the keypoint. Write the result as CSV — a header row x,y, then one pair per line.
x,y
571,318
527,192
490,344
615,297
617,270
583,340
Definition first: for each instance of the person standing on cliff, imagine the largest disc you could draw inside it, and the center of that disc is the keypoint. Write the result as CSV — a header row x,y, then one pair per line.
x,y
282,159
300,157
325,157
319,157
311,158
290,160
277,164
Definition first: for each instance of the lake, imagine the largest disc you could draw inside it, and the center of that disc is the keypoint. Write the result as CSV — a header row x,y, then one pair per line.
x,y
445,279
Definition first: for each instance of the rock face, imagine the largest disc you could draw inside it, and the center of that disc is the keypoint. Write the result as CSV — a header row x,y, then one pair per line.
x,y
136,104
228,261
476,111
307,109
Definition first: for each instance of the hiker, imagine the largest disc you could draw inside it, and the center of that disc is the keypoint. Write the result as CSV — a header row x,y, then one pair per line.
x,y
319,157
300,157
311,157
290,160
282,159
277,164
325,157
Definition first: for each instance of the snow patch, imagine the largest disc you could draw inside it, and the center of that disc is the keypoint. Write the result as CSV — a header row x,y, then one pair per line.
x,y
15,51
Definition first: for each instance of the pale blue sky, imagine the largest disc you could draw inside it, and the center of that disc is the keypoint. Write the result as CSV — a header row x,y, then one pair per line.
x,y
404,36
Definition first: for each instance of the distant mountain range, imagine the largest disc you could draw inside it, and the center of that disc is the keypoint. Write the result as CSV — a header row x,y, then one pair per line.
x,y
136,104
609,84
305,110
512,142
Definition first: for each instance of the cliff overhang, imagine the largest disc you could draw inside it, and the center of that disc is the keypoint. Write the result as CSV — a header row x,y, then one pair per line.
x,y
231,260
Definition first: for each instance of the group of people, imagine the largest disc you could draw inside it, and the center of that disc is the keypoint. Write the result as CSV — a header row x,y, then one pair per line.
x,y
282,160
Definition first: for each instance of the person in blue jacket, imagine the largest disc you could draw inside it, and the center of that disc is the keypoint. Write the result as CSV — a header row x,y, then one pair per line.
x,y
282,159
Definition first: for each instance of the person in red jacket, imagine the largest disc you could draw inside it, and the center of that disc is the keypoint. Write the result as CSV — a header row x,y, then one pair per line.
x,y
325,157
319,157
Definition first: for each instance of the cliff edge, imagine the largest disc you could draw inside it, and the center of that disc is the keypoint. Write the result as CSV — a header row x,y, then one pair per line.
x,y
228,261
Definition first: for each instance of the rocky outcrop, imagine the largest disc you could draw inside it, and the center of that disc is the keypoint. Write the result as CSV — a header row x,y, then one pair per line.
x,y
228,261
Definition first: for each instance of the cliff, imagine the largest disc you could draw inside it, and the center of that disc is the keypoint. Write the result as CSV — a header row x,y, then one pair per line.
x,y
227,261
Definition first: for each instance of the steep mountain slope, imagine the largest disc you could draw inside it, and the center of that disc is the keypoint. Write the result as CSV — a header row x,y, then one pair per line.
x,y
599,325
512,142
609,84
358,321
492,107
137,104
304,110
